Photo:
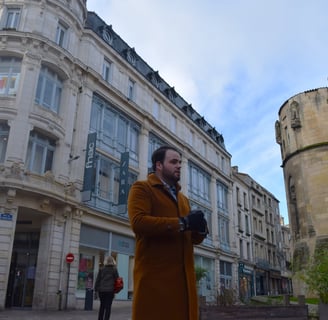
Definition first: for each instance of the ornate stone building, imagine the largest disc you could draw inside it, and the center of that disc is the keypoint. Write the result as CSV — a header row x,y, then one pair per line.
x,y
259,238
302,133
80,114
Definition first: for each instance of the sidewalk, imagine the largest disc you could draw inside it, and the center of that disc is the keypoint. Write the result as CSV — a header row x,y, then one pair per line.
x,y
121,310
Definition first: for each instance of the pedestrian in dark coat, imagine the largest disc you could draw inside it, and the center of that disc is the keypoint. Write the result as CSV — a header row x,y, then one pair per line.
x,y
166,231
104,287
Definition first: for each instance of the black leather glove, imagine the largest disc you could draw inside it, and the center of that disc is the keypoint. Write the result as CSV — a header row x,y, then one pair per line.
x,y
195,221
203,229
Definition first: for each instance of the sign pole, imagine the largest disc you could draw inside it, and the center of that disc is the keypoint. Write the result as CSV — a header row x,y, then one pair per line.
x,y
68,272
69,260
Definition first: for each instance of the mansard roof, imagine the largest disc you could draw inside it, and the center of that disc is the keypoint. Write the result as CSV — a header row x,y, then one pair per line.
x,y
107,34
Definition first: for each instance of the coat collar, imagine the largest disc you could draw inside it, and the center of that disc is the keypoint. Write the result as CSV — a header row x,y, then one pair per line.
x,y
156,182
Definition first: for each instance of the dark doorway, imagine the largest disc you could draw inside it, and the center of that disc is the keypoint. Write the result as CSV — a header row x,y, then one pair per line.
x,y
22,270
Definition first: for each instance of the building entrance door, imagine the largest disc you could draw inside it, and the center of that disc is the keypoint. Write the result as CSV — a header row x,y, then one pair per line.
x,y
22,270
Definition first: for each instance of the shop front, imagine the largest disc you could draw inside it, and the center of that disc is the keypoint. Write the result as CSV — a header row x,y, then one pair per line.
x,y
262,286
95,245
246,284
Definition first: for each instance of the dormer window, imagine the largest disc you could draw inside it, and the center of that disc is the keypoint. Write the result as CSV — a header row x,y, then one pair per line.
x,y
107,36
131,56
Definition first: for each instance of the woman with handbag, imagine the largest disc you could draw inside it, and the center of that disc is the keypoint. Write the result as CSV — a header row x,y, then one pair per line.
x,y
104,287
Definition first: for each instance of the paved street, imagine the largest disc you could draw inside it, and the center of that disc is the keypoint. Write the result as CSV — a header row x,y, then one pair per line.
x,y
121,310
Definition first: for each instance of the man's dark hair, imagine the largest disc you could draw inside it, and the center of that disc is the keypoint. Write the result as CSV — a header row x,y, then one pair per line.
x,y
159,155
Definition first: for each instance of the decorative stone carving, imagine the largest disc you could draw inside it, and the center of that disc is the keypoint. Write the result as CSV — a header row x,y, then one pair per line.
x,y
295,121
15,169
78,214
44,204
70,188
49,176
278,132
11,194
171,93
154,78
67,212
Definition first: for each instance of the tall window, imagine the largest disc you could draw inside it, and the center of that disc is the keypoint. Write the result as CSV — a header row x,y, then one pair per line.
x,y
206,284
49,89
191,138
202,148
9,75
238,195
107,70
108,181
173,123
116,133
241,249
223,223
245,201
12,19
222,196
4,133
225,275
248,248
40,153
62,35
248,232
240,226
223,164
131,89
199,184
156,108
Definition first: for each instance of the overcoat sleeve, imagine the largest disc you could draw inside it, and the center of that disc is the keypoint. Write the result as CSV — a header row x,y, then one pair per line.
x,y
141,213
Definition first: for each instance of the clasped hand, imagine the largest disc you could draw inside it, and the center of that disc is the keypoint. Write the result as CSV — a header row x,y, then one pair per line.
x,y
195,221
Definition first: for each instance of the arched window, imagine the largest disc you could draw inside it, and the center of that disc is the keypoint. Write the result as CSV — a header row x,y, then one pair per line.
x,y
49,89
40,153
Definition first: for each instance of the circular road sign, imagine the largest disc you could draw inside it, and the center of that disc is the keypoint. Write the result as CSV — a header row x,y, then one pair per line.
x,y
69,257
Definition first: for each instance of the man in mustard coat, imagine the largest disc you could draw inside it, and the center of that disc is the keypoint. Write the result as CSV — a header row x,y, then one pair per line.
x,y
166,231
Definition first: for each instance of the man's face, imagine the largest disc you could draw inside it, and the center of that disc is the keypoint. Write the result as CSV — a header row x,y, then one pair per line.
x,y
169,170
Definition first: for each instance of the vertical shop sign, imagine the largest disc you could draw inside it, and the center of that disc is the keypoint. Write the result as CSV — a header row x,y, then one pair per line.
x,y
89,167
124,179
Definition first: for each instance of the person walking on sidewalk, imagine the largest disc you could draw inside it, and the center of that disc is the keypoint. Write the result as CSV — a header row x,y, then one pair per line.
x,y
104,287
165,231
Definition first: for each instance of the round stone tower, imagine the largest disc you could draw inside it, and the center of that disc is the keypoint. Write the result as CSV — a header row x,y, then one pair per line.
x,y
302,133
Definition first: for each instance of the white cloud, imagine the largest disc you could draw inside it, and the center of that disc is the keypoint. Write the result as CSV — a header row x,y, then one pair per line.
x,y
235,61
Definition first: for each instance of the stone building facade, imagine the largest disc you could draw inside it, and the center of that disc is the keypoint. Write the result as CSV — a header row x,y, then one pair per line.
x,y
259,239
80,114
302,133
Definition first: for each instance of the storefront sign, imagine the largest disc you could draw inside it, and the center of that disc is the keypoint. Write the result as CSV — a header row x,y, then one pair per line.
x,y
89,167
124,178
122,244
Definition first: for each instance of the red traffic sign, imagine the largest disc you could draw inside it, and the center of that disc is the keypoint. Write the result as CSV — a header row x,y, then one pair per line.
x,y
69,257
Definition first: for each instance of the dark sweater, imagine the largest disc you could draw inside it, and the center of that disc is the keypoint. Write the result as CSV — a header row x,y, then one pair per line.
x,y
106,278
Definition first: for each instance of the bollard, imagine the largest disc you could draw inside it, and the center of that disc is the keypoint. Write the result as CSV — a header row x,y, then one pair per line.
x,y
59,294
88,303
301,299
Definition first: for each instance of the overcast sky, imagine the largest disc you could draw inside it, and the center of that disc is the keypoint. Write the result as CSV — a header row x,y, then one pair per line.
x,y
235,61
